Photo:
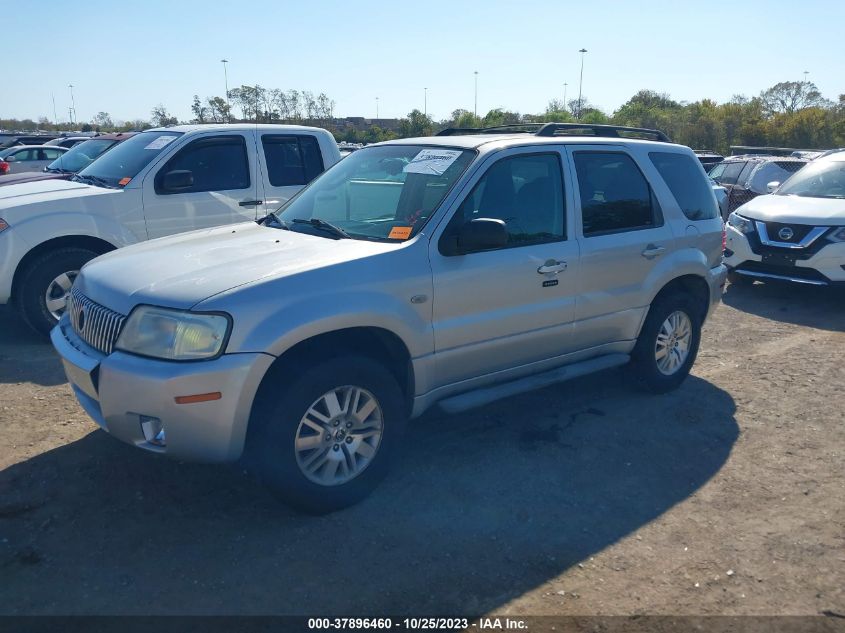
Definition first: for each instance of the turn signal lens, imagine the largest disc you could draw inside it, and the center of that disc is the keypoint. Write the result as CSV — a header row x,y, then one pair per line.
x,y
3,225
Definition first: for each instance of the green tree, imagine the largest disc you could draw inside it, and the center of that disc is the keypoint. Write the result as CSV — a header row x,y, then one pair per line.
x,y
791,96
416,124
161,117
200,111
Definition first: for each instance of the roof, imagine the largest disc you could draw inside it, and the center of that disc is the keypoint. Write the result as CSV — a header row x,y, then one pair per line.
x,y
15,148
222,127
763,158
111,136
475,141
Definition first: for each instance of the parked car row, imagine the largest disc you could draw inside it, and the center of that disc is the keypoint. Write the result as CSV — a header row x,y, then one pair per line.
x,y
27,158
296,331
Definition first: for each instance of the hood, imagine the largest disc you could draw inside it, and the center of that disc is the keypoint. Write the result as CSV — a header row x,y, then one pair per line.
x,y
182,270
795,210
31,176
46,191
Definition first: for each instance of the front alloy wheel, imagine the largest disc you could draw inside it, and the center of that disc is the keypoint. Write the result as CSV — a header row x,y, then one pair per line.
x,y
58,293
339,436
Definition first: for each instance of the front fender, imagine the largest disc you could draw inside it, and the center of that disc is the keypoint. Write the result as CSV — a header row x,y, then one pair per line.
x,y
43,227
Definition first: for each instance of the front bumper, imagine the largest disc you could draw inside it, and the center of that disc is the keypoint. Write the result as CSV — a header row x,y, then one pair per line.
x,y
12,251
822,268
118,389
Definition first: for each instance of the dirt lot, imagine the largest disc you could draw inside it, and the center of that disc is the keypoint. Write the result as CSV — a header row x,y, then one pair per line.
x,y
727,496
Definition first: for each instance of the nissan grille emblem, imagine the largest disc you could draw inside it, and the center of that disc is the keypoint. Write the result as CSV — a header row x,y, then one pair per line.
x,y
785,233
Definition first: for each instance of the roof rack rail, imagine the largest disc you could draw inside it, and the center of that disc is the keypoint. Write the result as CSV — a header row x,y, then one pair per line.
x,y
513,128
563,129
593,129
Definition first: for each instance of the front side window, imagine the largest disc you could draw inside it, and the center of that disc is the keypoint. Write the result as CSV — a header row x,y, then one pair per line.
x,y
526,192
615,195
216,163
291,160
819,179
386,192
118,166
25,155
691,190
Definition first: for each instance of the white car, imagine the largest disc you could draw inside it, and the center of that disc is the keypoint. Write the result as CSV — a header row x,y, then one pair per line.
x,y
796,234
157,183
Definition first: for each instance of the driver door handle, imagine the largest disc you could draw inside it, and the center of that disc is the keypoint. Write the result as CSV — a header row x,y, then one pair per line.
x,y
552,266
651,251
250,203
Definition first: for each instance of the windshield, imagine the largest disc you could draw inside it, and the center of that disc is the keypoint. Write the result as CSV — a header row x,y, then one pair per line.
x,y
384,193
824,179
117,167
80,155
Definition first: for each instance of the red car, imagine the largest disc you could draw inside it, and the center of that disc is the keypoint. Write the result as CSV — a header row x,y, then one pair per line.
x,y
74,160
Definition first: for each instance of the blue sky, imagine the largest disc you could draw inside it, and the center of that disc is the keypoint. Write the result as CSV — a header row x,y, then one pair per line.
x,y
124,58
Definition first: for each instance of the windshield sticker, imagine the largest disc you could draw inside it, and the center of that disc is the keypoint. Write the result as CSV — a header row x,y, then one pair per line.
x,y
432,161
400,232
160,142
124,181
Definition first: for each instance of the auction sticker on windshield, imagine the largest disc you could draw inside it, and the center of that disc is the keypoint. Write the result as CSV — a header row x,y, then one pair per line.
x,y
432,161
160,142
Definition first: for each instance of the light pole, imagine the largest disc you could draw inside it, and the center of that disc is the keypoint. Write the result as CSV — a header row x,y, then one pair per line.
x,y
564,95
475,106
425,102
55,115
581,82
226,83
73,103
376,108
806,72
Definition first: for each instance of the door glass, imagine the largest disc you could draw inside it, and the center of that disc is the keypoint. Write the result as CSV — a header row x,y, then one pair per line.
x,y
216,164
526,192
615,195
691,190
291,160
731,173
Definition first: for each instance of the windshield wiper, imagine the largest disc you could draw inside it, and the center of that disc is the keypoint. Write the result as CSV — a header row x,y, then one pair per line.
x,y
57,170
92,180
272,217
322,224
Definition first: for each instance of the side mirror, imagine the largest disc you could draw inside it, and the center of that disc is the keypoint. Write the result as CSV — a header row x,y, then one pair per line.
x,y
482,234
10,159
177,180
772,186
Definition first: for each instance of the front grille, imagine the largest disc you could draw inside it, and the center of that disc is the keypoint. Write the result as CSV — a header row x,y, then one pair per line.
x,y
799,231
96,325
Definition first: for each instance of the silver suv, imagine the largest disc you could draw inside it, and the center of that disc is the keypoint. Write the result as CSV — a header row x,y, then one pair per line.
x,y
455,269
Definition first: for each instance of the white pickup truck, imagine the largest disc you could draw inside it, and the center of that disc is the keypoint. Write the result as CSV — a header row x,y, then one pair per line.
x,y
157,183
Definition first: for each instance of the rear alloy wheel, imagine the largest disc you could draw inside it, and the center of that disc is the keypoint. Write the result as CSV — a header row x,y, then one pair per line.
x,y
327,440
668,343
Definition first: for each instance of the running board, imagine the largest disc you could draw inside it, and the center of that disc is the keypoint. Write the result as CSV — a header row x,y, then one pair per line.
x,y
486,395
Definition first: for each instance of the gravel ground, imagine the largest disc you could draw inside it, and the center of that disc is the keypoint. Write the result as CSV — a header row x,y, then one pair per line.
x,y
726,496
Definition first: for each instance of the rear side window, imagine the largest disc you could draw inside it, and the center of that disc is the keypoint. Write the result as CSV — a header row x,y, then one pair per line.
x,y
690,188
615,196
217,163
292,160
50,154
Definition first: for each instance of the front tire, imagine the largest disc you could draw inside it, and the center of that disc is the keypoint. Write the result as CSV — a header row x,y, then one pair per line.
x,y
668,343
45,286
327,441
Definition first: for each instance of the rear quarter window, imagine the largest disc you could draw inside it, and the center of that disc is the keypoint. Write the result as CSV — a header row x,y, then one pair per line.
x,y
692,191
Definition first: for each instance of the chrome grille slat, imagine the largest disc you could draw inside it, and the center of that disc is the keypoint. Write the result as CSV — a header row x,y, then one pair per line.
x,y
100,326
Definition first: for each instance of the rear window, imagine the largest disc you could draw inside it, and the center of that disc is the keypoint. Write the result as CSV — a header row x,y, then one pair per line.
x,y
692,191
291,160
730,174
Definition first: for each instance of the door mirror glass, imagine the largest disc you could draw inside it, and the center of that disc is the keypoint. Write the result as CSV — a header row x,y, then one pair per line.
x,y
772,186
10,159
177,180
482,234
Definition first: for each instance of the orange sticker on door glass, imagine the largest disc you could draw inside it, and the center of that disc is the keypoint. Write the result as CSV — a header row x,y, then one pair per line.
x,y
124,181
400,232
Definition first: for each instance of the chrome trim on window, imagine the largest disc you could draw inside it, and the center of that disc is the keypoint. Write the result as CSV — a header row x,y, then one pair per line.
x,y
811,237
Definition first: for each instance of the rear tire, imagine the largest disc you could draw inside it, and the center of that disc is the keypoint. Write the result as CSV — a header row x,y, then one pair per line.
x,y
668,343
304,442
52,272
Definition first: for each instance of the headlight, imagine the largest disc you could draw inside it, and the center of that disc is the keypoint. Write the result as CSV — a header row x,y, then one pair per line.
x,y
3,225
838,235
173,334
741,224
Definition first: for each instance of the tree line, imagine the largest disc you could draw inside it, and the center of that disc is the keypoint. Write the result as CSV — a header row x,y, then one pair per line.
x,y
789,114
